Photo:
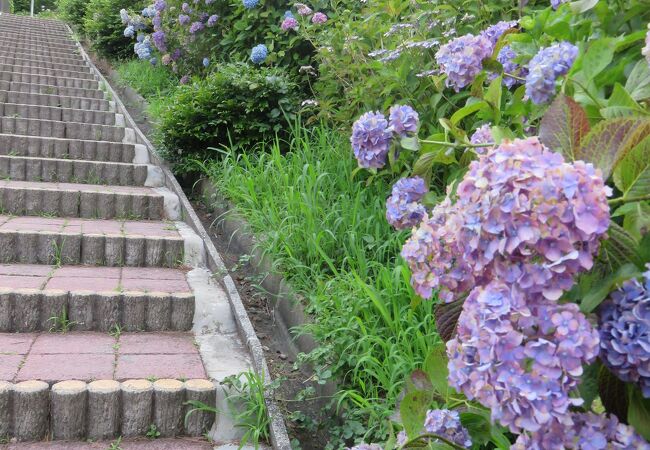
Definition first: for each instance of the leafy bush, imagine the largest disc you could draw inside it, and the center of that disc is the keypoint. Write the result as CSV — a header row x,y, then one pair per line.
x,y
73,12
39,5
238,103
104,28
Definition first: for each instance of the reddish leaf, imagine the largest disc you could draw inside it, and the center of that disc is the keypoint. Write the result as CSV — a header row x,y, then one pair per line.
x,y
563,126
419,381
447,318
611,140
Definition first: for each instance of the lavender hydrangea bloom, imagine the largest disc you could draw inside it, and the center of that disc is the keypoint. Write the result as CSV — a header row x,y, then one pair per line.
x,y
403,120
446,423
371,139
586,431
185,7
303,9
185,79
204,16
546,66
160,5
364,446
523,215
507,58
149,11
319,18
159,40
289,23
183,19
646,50
212,20
176,54
196,27
206,62
483,135
124,16
157,22
140,37
625,332
259,54
129,31
403,209
143,49
556,3
494,32
462,59
520,355
250,4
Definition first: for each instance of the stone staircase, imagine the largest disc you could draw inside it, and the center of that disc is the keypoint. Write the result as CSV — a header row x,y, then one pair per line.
x,y
109,322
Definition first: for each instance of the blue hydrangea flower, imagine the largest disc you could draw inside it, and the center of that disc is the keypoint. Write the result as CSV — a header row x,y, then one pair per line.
x,y
124,16
403,120
159,40
250,4
494,32
149,11
546,67
288,14
143,49
206,62
140,37
625,332
129,31
403,210
212,20
259,54
196,27
185,7
483,135
183,19
153,61
462,59
371,139
507,58
160,5
446,423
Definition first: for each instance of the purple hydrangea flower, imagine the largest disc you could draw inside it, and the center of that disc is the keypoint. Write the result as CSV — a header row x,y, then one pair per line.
x,y
556,3
494,32
507,58
584,431
544,69
482,135
403,120
646,50
212,20
319,18
250,4
176,54
206,62
204,16
259,54
364,446
183,19
157,22
403,209
159,40
303,9
149,11
196,27
124,16
289,23
185,79
371,139
160,5
625,332
185,7
462,59
446,423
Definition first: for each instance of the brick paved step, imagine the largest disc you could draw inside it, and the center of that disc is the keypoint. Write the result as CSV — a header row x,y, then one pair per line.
x,y
58,80
86,200
89,385
61,101
94,298
44,240
61,114
41,56
23,168
50,90
44,71
43,147
35,62
126,444
68,130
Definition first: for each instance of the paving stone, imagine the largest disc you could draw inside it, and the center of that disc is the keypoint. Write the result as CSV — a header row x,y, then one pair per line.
x,y
73,343
16,343
156,343
21,282
181,366
158,444
9,365
56,367
83,284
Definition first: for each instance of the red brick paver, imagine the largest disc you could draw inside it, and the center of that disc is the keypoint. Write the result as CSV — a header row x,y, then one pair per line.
x,y
158,444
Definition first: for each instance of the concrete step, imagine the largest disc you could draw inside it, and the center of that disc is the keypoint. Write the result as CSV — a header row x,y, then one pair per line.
x,y
54,51
67,130
87,201
89,385
35,62
61,114
126,444
58,80
51,42
45,240
94,298
35,70
45,147
21,168
50,90
42,56
59,101
35,32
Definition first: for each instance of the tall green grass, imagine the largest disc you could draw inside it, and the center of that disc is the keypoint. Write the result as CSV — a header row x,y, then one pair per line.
x,y
327,233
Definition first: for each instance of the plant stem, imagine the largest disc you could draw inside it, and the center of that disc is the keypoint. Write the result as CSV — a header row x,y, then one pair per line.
x,y
514,76
456,144
434,436
616,201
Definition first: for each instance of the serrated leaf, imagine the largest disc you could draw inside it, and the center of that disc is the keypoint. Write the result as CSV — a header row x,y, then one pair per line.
x,y
613,394
446,315
621,248
611,140
604,286
436,368
413,409
563,126
638,413
638,83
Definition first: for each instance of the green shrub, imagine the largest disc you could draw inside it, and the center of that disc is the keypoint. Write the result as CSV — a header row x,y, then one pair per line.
x,y
238,103
39,5
73,12
104,28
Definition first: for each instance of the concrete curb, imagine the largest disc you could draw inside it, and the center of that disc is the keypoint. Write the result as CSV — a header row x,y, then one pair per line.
x,y
31,310
103,409
278,432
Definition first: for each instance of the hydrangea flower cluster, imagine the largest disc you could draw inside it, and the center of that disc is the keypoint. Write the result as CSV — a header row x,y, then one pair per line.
x,y
364,446
184,19
250,4
646,49
462,59
212,20
446,423
546,67
289,23
520,355
624,321
159,40
556,3
403,209
523,215
319,18
129,31
371,139
494,32
303,9
196,27
205,62
259,54
143,49
403,120
482,135
160,5
588,431
507,58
